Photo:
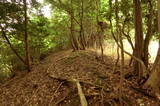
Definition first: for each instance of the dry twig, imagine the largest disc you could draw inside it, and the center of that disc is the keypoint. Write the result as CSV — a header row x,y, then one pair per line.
x,y
55,93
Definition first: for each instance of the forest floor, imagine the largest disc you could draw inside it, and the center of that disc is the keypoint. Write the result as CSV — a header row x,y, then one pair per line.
x,y
50,83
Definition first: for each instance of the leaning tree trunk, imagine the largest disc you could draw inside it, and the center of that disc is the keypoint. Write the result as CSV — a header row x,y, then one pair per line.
x,y
10,45
154,79
138,38
128,39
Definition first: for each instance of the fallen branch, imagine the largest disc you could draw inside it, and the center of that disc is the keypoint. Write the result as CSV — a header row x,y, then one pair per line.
x,y
64,98
81,94
55,92
102,97
85,82
60,101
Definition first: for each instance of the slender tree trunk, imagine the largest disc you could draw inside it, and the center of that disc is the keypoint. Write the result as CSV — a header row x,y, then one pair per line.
x,y
119,38
129,40
81,32
118,55
127,34
100,43
112,32
26,37
9,43
148,35
72,43
100,30
154,79
73,40
117,29
122,72
82,19
138,52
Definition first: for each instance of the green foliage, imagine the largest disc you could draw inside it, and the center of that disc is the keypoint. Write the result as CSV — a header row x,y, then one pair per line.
x,y
40,32
60,28
5,71
54,33
5,74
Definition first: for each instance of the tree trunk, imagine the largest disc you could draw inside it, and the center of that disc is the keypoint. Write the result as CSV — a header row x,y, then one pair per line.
x,y
129,40
122,72
154,79
138,38
26,38
120,40
117,28
73,40
81,32
100,30
100,38
12,48
148,35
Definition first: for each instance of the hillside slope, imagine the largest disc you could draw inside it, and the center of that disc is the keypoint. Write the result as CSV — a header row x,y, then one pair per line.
x,y
48,84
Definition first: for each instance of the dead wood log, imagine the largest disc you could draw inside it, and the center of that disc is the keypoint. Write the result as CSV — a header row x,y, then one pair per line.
x,y
80,81
81,94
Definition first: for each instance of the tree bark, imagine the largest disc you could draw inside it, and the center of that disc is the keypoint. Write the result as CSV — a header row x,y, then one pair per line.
x,y
26,37
154,79
128,39
72,38
122,71
117,29
73,41
120,40
81,32
100,30
148,35
138,38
